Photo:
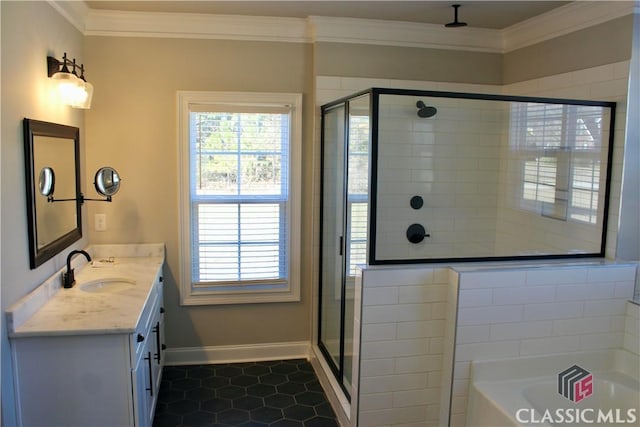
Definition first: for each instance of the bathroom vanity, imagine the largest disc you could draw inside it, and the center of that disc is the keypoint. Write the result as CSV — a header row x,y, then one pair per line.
x,y
92,354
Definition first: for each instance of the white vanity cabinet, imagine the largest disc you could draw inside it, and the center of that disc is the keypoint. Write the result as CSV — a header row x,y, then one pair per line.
x,y
107,378
147,361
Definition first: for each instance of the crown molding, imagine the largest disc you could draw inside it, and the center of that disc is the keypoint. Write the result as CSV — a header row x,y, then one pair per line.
x,y
566,19
75,12
561,21
407,34
192,25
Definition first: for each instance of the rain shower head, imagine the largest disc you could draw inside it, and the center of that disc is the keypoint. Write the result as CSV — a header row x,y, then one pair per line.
x,y
455,22
425,111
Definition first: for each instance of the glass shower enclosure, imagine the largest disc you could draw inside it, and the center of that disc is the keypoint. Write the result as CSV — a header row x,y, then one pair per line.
x,y
412,176
344,224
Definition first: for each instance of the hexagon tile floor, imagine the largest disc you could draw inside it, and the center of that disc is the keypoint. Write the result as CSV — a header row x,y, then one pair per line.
x,y
256,394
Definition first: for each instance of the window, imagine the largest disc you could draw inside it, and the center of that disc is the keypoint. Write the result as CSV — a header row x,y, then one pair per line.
x,y
240,197
357,191
561,148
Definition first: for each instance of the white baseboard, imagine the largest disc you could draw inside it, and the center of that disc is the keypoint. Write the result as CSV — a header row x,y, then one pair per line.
x,y
238,353
337,399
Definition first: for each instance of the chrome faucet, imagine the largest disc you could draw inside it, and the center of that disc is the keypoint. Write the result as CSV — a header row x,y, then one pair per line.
x,y
68,278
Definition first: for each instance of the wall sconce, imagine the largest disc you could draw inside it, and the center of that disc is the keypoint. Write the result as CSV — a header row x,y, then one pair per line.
x,y
74,90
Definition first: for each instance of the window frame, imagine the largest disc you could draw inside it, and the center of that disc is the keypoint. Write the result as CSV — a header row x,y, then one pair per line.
x,y
239,292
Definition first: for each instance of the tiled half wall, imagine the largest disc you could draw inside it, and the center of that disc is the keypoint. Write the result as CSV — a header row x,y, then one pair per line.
x,y
414,371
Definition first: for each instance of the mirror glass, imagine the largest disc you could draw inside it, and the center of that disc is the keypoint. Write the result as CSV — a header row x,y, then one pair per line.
x,y
47,181
107,181
51,163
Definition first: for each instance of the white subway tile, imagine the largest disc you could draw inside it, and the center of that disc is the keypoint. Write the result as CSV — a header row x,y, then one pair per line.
x,y
473,333
422,293
633,310
397,348
551,345
434,379
460,388
396,313
375,401
484,351
491,314
421,363
511,331
601,341
378,332
556,276
439,310
436,345
377,367
524,295
492,279
475,297
380,296
384,384
416,397
616,323
632,343
550,311
585,291
612,307
624,290
425,329
581,325
611,273
461,369
376,418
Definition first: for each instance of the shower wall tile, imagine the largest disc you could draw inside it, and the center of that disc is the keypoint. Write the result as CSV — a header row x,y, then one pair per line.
x,y
402,345
632,328
530,313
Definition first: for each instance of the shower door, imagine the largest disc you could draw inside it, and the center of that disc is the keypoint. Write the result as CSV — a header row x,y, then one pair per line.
x,y
345,166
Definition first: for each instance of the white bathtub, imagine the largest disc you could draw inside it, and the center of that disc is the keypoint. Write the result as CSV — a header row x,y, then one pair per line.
x,y
524,391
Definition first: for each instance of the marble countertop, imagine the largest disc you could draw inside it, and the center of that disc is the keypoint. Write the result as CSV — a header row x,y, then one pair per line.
x,y
75,311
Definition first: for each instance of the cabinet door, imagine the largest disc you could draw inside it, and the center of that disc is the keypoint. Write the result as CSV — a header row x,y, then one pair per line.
x,y
144,392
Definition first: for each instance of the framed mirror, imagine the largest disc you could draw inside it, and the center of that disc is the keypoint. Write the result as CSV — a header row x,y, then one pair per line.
x,y
52,158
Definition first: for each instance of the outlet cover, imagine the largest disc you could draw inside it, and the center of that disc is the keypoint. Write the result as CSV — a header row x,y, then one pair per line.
x,y
100,222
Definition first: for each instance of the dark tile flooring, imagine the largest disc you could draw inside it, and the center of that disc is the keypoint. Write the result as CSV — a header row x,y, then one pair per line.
x,y
257,394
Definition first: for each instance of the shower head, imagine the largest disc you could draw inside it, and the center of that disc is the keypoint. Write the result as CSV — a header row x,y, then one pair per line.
x,y
425,111
455,22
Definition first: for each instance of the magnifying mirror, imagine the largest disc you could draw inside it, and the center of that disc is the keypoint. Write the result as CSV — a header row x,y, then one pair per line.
x,y
47,181
107,181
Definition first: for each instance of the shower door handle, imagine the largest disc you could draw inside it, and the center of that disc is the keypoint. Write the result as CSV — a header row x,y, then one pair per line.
x,y
340,244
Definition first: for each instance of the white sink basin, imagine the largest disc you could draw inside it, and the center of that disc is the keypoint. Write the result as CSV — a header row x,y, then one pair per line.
x,y
107,285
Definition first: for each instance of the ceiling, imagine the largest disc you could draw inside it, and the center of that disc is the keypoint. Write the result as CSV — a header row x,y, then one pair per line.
x,y
478,14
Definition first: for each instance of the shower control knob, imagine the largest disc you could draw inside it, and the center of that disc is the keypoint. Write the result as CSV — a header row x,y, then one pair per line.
x,y
416,233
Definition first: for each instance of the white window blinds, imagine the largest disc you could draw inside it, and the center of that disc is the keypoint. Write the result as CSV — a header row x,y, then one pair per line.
x,y
239,194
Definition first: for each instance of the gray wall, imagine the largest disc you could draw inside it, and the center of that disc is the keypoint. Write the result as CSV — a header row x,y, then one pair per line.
x,y
30,32
598,45
132,127
407,63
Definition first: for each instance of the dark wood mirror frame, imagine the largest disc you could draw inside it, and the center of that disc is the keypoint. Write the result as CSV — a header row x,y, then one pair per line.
x,y
33,129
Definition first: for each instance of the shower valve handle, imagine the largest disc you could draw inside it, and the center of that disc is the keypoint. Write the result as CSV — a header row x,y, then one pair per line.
x,y
416,233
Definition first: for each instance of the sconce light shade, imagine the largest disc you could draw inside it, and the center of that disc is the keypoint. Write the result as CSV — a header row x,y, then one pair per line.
x,y
84,96
73,90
